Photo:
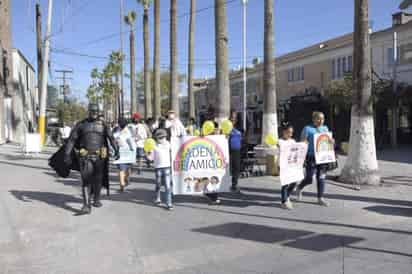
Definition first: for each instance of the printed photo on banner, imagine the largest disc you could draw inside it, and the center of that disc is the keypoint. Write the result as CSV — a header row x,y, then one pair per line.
x,y
324,148
291,159
200,165
127,148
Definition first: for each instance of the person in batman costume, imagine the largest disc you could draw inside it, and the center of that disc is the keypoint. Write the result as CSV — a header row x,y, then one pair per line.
x,y
91,137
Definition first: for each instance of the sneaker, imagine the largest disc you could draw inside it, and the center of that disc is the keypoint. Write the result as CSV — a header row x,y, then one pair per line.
x,y
157,201
299,194
322,202
97,204
287,205
170,207
217,202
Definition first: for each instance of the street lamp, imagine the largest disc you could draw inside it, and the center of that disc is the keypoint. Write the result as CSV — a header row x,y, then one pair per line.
x,y
244,3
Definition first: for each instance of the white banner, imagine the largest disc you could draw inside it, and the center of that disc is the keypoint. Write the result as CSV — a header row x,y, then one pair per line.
x,y
291,160
200,165
32,143
324,148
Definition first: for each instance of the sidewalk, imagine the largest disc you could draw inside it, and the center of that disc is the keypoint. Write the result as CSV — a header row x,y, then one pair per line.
x,y
366,231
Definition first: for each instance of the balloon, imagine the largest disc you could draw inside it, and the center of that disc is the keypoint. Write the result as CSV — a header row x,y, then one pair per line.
x,y
226,127
208,127
149,145
271,140
196,132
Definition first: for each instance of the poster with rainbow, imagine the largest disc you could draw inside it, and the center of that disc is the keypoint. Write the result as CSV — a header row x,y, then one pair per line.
x,y
324,148
200,165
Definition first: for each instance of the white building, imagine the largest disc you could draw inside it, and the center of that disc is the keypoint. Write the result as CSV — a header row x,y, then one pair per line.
x,y
22,105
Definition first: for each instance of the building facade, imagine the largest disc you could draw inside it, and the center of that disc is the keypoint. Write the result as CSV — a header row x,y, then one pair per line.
x,y
304,75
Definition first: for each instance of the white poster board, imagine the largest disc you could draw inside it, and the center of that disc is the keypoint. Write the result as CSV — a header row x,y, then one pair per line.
x,y
32,143
200,165
324,148
127,156
291,159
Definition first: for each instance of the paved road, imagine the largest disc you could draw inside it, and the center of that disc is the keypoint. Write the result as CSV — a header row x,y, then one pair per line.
x,y
367,231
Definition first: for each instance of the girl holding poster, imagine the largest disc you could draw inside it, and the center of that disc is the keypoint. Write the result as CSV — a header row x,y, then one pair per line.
x,y
127,151
308,135
286,138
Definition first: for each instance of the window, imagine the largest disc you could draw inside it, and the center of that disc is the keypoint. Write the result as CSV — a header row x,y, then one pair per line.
x,y
389,55
296,74
340,66
339,69
350,64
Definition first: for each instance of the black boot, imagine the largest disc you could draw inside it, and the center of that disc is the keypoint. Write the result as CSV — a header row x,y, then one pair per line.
x,y
96,200
86,209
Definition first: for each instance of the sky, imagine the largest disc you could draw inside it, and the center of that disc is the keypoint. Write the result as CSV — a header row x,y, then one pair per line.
x,y
90,29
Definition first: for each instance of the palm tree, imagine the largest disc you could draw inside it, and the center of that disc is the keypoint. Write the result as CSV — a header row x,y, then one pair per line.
x,y
114,69
174,91
147,94
405,4
156,69
270,120
222,72
129,19
191,55
361,166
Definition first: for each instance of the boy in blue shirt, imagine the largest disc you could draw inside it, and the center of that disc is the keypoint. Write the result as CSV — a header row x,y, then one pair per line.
x,y
312,168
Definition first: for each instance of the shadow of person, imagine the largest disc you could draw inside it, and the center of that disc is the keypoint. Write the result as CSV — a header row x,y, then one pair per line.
x,y
54,199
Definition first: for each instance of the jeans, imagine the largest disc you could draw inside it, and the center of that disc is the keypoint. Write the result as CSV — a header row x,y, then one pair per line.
x,y
235,166
311,169
286,190
163,176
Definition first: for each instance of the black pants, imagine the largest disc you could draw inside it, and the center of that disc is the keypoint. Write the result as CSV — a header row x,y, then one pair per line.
x,y
92,172
234,166
212,196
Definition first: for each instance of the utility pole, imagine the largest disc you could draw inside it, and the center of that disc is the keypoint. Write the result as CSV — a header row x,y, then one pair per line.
x,y
65,88
394,136
121,59
44,75
39,48
244,2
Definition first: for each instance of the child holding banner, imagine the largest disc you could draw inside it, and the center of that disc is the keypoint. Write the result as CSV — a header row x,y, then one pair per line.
x,y
286,138
312,168
162,163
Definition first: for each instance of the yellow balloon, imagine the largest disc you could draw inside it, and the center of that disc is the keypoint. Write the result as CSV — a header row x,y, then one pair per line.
x,y
271,140
196,132
149,145
226,127
208,127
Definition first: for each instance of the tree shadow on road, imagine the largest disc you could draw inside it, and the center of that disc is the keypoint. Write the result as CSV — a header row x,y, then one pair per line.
x,y
391,210
342,197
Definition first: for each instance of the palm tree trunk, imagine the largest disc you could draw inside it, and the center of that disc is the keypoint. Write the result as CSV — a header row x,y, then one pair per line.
x,y
270,118
222,72
147,92
156,69
133,90
191,56
361,165
174,89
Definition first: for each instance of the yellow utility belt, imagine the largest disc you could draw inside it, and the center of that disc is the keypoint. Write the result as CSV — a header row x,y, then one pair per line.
x,y
102,153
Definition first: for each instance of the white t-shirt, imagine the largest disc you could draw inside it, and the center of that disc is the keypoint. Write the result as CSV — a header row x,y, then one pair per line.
x,y
177,129
161,155
139,134
65,132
